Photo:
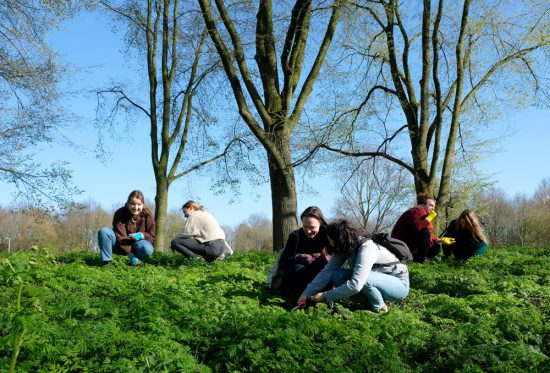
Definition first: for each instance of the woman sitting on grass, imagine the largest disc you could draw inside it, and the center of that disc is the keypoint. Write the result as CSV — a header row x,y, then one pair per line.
x,y
375,274
202,237
469,236
303,256
133,232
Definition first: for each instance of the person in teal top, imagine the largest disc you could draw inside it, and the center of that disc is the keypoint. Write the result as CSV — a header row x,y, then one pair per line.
x,y
469,236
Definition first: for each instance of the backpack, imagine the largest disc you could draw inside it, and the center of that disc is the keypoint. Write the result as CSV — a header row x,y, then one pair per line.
x,y
395,246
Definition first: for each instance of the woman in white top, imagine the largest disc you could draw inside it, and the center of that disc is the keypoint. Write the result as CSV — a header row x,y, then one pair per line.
x,y
202,236
374,274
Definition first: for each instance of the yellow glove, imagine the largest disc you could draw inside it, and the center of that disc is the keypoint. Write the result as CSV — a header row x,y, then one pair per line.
x,y
448,241
431,216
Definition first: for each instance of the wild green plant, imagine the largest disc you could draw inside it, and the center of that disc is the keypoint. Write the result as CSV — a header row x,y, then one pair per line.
x,y
488,314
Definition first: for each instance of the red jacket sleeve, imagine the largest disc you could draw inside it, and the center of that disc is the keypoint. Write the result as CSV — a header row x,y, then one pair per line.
x,y
419,220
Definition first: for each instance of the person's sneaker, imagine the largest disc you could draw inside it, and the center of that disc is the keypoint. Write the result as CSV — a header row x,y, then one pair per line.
x,y
105,263
228,251
134,262
335,310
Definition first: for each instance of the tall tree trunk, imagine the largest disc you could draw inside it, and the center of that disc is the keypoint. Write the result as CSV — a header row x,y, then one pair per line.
x,y
448,162
161,209
283,194
275,107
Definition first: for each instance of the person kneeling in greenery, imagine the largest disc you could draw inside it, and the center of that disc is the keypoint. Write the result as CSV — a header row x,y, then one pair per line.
x,y
303,256
375,274
202,236
133,232
467,235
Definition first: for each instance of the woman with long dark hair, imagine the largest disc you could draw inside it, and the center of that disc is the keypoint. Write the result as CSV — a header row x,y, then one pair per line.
x,y
303,256
374,274
133,232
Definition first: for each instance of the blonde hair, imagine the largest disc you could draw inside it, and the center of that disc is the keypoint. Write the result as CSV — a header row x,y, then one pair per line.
x,y
192,205
469,220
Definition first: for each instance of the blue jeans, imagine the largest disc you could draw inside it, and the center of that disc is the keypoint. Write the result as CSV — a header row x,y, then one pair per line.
x,y
106,239
379,287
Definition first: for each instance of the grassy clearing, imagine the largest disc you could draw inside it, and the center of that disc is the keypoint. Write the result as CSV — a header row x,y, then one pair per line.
x,y
173,314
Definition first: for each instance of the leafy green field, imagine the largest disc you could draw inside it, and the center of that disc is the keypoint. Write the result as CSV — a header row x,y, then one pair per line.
x,y
489,314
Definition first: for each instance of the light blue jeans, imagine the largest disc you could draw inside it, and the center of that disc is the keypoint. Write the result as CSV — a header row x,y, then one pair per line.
x,y
106,240
379,287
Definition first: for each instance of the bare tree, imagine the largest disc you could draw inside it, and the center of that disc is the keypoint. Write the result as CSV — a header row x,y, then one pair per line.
x,y
500,221
171,40
433,75
254,234
373,192
537,216
271,97
30,111
77,228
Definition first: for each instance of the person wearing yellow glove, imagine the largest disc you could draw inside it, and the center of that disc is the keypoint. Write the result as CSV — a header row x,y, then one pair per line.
x,y
467,236
448,241
415,228
431,216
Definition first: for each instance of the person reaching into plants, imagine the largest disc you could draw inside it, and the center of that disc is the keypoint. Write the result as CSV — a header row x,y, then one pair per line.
x,y
202,236
414,227
466,236
303,256
375,274
133,232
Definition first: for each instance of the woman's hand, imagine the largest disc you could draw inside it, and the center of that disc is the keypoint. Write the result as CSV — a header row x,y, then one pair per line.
x,y
319,297
137,236
302,301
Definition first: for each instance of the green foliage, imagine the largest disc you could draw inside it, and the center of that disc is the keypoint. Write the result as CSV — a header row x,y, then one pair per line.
x,y
173,314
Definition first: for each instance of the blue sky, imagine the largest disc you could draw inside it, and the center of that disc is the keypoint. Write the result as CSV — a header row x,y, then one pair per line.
x,y
518,167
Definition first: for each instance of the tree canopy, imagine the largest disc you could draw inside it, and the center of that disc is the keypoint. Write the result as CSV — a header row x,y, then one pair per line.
x,y
30,111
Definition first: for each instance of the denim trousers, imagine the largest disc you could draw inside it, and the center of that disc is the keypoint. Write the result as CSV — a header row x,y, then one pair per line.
x,y
106,239
378,287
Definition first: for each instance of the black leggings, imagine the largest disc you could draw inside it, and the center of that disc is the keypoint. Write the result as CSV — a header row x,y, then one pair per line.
x,y
192,248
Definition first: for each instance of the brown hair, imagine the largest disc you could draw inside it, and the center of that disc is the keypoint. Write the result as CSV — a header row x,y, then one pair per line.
x,y
314,212
422,198
137,194
469,220
192,205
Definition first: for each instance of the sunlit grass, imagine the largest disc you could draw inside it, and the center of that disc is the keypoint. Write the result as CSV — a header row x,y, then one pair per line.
x,y
488,314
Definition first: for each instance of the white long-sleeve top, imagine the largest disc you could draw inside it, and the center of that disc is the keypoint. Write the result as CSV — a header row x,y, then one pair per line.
x,y
362,262
203,227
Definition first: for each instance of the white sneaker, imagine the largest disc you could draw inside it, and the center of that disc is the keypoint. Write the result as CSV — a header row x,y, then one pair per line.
x,y
228,250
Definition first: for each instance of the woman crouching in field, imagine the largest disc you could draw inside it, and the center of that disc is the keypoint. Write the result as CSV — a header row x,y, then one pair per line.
x,y
202,236
133,232
303,256
468,236
375,274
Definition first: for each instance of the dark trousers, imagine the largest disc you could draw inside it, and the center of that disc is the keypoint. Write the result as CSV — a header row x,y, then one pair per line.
x,y
192,248
297,276
423,249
